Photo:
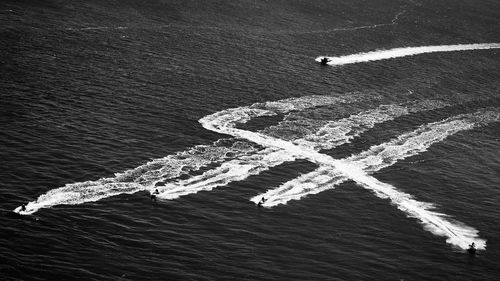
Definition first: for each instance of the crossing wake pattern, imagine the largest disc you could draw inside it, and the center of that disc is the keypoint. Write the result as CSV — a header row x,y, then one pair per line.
x,y
245,153
309,125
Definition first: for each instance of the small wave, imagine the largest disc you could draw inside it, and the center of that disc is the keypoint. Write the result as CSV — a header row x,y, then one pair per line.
x,y
404,52
96,28
394,21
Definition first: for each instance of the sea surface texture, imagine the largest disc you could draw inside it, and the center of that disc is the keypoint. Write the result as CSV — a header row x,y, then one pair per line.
x,y
204,140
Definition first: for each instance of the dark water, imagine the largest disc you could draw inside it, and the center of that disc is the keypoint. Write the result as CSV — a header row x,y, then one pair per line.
x,y
92,89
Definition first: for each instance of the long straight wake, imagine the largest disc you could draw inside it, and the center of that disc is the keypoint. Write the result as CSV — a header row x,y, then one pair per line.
x,y
144,177
404,52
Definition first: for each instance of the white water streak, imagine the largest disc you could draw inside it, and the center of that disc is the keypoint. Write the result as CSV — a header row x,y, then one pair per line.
x,y
332,134
335,133
456,234
141,178
145,177
381,156
419,140
404,52
231,171
278,151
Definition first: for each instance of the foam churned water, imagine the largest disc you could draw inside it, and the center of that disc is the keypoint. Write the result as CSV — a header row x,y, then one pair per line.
x,y
404,52
250,153
147,176
236,160
381,156
404,146
144,177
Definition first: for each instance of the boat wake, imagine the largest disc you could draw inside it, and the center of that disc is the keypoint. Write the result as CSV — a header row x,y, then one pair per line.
x,y
404,52
310,125
382,156
333,171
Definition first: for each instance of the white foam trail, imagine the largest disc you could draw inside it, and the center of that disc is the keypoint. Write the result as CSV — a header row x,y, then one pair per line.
x,y
77,193
246,165
403,52
328,176
457,234
141,178
335,133
403,201
146,177
412,143
323,178
378,156
234,170
240,115
237,169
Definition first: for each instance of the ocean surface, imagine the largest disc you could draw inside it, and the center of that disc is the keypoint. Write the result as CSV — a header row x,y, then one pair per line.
x,y
383,164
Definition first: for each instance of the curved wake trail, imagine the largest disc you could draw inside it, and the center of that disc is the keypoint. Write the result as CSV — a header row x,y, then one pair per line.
x,y
238,159
384,155
404,52
248,165
457,235
147,176
332,134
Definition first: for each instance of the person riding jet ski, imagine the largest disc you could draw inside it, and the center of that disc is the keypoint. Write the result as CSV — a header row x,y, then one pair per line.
x,y
472,249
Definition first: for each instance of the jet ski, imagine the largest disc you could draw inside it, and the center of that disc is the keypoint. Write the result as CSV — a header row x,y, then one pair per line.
x,y
22,210
324,61
472,249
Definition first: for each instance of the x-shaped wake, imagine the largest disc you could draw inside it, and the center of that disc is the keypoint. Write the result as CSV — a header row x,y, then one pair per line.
x,y
332,172
240,160
163,174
